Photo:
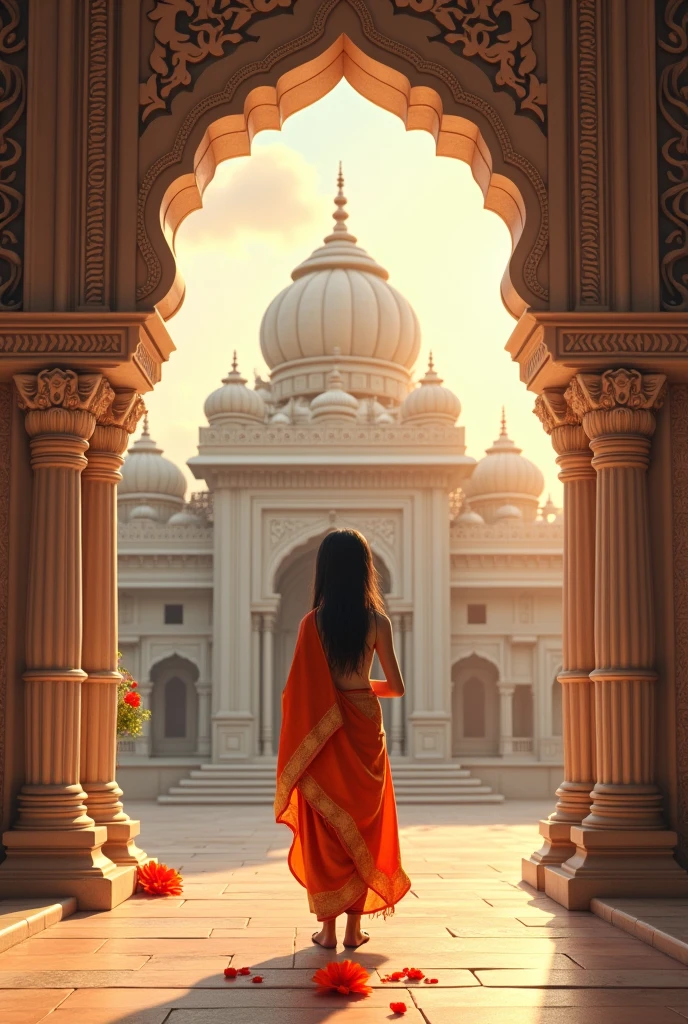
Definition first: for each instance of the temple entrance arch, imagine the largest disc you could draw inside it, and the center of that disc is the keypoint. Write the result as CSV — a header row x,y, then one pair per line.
x,y
174,703
475,707
183,142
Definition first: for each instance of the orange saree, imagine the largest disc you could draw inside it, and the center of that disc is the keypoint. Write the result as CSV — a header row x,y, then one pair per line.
x,y
334,790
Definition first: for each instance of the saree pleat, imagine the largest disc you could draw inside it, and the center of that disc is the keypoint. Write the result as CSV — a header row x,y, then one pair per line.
x,y
335,791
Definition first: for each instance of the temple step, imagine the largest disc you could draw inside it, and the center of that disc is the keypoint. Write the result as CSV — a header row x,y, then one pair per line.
x,y
254,783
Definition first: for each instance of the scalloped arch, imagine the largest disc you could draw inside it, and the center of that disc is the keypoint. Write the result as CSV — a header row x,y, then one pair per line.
x,y
512,186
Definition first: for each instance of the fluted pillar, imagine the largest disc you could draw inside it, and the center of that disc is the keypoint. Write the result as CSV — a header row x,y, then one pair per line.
x,y
99,693
577,474
269,620
622,846
397,737
55,847
204,691
506,718
256,674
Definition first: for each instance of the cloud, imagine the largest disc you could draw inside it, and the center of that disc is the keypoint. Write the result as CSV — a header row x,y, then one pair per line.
x,y
272,196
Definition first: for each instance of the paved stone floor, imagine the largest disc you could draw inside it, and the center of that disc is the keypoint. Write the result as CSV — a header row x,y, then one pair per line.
x,y
501,953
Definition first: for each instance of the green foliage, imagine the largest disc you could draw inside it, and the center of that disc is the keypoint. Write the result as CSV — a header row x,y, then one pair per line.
x,y
130,716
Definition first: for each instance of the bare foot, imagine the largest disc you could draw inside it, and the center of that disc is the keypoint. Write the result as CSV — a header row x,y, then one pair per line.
x,y
327,936
354,936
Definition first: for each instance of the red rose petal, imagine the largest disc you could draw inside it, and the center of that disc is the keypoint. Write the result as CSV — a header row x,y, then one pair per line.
x,y
398,1007
244,970
257,979
230,972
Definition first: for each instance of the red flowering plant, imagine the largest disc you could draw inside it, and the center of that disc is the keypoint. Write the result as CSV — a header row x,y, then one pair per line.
x,y
130,714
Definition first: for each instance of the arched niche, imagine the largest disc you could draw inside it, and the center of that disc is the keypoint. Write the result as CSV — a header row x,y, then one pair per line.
x,y
523,712
475,707
174,707
392,63
293,583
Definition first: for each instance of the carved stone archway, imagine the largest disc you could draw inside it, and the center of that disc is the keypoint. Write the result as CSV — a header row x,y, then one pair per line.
x,y
112,129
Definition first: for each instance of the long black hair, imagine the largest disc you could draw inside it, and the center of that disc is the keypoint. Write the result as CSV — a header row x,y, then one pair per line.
x,y
346,595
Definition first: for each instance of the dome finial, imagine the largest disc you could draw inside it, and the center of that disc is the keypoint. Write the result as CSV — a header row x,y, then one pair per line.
x,y
145,432
235,364
431,364
340,214
503,432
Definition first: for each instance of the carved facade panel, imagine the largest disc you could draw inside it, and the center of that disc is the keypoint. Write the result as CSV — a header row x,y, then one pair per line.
x,y
13,62
589,131
94,290
679,486
672,129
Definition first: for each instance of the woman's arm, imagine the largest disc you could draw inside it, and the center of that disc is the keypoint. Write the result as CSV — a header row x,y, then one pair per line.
x,y
392,685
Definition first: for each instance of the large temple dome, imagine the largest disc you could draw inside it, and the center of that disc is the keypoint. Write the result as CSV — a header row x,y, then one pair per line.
x,y
149,481
504,479
340,299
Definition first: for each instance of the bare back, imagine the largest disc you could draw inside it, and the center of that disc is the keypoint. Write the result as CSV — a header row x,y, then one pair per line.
x,y
379,639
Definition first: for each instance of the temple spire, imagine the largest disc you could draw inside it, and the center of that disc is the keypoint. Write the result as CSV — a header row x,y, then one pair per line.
x,y
340,232
145,432
235,363
503,432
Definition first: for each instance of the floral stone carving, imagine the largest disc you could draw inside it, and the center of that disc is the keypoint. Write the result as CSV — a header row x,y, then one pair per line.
x,y
189,32
496,33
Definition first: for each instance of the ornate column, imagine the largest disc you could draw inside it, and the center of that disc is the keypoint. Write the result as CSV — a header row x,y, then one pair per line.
x,y
99,653
397,737
622,846
506,718
55,847
574,458
268,635
204,691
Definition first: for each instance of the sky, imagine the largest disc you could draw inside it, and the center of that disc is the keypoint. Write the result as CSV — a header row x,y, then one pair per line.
x,y
419,215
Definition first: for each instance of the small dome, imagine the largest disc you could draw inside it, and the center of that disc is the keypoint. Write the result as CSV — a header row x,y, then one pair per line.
x,y
508,512
147,474
470,518
504,477
143,512
234,401
340,298
335,403
183,518
549,510
281,416
429,402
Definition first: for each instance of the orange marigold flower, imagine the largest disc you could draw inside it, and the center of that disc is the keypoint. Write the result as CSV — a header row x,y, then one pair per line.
x,y
230,972
257,979
159,880
398,1007
345,976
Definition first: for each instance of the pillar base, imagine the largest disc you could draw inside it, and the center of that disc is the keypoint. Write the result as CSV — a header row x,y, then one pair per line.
x,y
429,735
120,846
616,863
65,864
556,849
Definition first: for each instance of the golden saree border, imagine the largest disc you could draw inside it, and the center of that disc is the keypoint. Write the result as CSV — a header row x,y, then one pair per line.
x,y
390,889
335,902
367,703
304,754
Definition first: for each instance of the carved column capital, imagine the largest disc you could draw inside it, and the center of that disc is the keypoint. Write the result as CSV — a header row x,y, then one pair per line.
x,y
257,622
617,401
269,621
111,436
62,401
569,440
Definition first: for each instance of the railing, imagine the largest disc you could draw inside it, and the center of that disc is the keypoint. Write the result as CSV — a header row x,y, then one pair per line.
x,y
522,744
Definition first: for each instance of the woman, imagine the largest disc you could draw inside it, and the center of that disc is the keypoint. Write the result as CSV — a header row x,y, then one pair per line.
x,y
334,787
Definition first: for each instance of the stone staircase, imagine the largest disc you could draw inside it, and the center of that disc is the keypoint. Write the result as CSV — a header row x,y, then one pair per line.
x,y
254,783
